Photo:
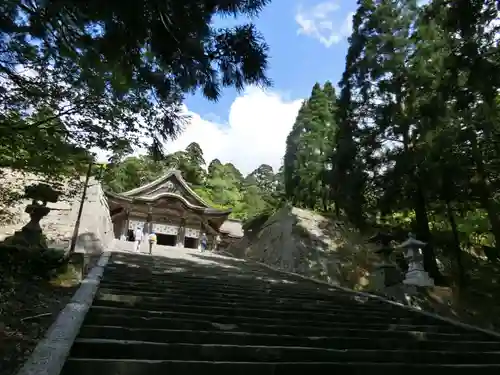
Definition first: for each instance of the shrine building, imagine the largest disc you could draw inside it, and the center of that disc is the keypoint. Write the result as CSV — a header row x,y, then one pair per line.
x,y
171,209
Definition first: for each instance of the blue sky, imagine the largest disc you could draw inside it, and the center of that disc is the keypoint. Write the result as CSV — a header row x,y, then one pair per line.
x,y
308,44
302,50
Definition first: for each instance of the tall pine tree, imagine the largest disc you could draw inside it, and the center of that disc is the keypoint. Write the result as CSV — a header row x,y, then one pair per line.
x,y
308,150
380,133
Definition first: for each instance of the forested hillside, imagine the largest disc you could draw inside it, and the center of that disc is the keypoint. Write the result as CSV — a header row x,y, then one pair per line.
x,y
412,139
408,139
221,185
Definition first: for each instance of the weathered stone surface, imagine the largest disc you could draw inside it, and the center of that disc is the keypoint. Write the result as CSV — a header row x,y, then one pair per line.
x,y
96,229
307,243
188,312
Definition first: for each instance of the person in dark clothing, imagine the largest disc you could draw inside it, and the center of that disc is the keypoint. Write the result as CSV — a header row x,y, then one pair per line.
x,y
203,242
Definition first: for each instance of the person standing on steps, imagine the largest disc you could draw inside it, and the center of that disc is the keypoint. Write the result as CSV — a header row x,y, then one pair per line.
x,y
152,242
217,242
138,239
203,242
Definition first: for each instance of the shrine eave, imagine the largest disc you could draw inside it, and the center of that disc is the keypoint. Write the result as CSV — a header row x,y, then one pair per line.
x,y
177,176
118,198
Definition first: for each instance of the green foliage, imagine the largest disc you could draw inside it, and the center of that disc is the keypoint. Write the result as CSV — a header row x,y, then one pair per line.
x,y
412,140
417,127
79,75
42,192
256,221
220,185
29,262
307,154
129,173
41,149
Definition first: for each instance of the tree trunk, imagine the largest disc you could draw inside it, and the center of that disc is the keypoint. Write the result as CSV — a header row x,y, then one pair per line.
x,y
337,209
422,220
486,194
460,271
424,234
448,194
325,205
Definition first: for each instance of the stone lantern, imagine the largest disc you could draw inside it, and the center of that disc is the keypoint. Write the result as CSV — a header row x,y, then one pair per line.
x,y
386,273
31,236
416,274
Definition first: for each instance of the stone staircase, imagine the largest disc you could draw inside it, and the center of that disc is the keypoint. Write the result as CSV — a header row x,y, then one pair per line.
x,y
198,314
129,246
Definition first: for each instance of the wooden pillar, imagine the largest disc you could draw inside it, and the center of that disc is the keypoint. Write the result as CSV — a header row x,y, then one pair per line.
x,y
202,229
149,220
181,233
126,223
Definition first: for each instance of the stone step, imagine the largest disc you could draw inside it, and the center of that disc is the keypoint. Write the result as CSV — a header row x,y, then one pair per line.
x,y
204,289
440,342
214,282
174,316
204,285
242,300
119,349
179,272
190,322
262,315
159,303
187,265
227,278
226,265
86,366
188,270
172,293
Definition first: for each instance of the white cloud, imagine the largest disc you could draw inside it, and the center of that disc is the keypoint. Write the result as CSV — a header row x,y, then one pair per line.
x,y
346,28
259,122
317,22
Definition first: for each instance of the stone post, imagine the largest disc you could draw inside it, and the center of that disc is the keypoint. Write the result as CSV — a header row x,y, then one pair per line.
x,y
125,225
181,233
217,242
148,227
386,273
416,274
201,230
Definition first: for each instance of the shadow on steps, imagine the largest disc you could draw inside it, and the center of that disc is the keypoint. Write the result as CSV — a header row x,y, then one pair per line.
x,y
193,313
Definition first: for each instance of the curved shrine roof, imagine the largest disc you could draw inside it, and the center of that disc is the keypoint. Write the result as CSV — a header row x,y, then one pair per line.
x,y
170,185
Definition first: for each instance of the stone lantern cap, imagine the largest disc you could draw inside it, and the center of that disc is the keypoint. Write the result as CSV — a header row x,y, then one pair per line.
x,y
381,238
412,243
41,192
386,250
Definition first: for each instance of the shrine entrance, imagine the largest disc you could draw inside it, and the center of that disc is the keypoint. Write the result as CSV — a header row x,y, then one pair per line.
x,y
169,208
190,243
166,239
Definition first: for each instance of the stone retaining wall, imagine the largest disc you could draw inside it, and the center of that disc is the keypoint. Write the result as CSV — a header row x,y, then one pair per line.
x,y
304,242
96,229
